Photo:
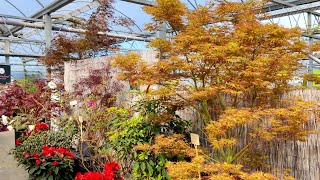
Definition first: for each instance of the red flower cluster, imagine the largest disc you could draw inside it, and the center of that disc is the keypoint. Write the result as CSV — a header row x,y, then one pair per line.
x,y
18,142
90,176
38,128
38,162
109,173
48,152
41,127
35,155
109,169
55,163
52,151
26,155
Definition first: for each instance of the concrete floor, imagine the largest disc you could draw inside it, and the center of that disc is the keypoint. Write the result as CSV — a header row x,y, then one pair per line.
x,y
8,166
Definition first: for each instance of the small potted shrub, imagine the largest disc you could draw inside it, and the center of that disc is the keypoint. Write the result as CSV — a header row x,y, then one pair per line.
x,y
45,154
20,124
50,163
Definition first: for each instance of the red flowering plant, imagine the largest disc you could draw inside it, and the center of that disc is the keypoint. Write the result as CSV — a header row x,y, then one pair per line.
x,y
50,163
111,172
45,154
39,127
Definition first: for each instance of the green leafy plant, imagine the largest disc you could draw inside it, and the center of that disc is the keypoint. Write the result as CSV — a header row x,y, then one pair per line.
x,y
127,132
28,83
125,136
21,121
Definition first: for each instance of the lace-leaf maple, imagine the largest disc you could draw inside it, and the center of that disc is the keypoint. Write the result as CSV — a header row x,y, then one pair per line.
x,y
231,68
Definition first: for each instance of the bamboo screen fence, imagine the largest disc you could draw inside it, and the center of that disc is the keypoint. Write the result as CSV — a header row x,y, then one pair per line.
x,y
301,158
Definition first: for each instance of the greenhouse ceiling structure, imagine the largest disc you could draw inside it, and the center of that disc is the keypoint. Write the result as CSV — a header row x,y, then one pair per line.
x,y
27,27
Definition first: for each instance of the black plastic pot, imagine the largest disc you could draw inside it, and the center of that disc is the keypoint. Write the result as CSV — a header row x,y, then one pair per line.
x,y
86,149
78,166
18,133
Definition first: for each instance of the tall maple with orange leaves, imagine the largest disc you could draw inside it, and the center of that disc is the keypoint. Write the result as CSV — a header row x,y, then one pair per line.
x,y
229,66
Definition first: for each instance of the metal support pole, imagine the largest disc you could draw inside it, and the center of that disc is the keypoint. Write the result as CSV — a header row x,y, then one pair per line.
x,y
310,68
24,70
7,51
48,30
48,38
161,33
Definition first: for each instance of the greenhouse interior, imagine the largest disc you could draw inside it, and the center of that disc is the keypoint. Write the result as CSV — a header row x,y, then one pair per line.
x,y
159,89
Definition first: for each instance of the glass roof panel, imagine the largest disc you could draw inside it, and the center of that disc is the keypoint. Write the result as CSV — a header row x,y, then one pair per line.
x,y
133,11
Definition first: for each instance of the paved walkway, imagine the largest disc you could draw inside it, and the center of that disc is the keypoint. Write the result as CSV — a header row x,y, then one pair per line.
x,y
8,166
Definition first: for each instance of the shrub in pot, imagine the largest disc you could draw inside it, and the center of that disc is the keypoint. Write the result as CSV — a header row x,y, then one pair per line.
x,y
45,154
20,123
50,163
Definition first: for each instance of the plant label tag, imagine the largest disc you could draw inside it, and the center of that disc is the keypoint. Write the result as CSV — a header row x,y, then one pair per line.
x,y
195,139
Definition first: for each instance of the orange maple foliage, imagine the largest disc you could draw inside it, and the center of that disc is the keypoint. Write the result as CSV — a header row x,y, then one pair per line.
x,y
230,67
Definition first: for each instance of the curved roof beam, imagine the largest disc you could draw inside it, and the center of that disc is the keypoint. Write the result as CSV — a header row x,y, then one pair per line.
x,y
295,10
78,11
142,2
40,3
16,8
70,29
128,18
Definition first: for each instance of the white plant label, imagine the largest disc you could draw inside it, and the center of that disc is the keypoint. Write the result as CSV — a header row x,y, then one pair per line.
x,y
195,139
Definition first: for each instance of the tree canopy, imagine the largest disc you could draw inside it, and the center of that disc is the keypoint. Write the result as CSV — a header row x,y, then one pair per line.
x,y
230,67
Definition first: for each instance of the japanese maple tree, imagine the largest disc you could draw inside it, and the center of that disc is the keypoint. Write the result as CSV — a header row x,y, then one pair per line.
x,y
89,43
230,67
